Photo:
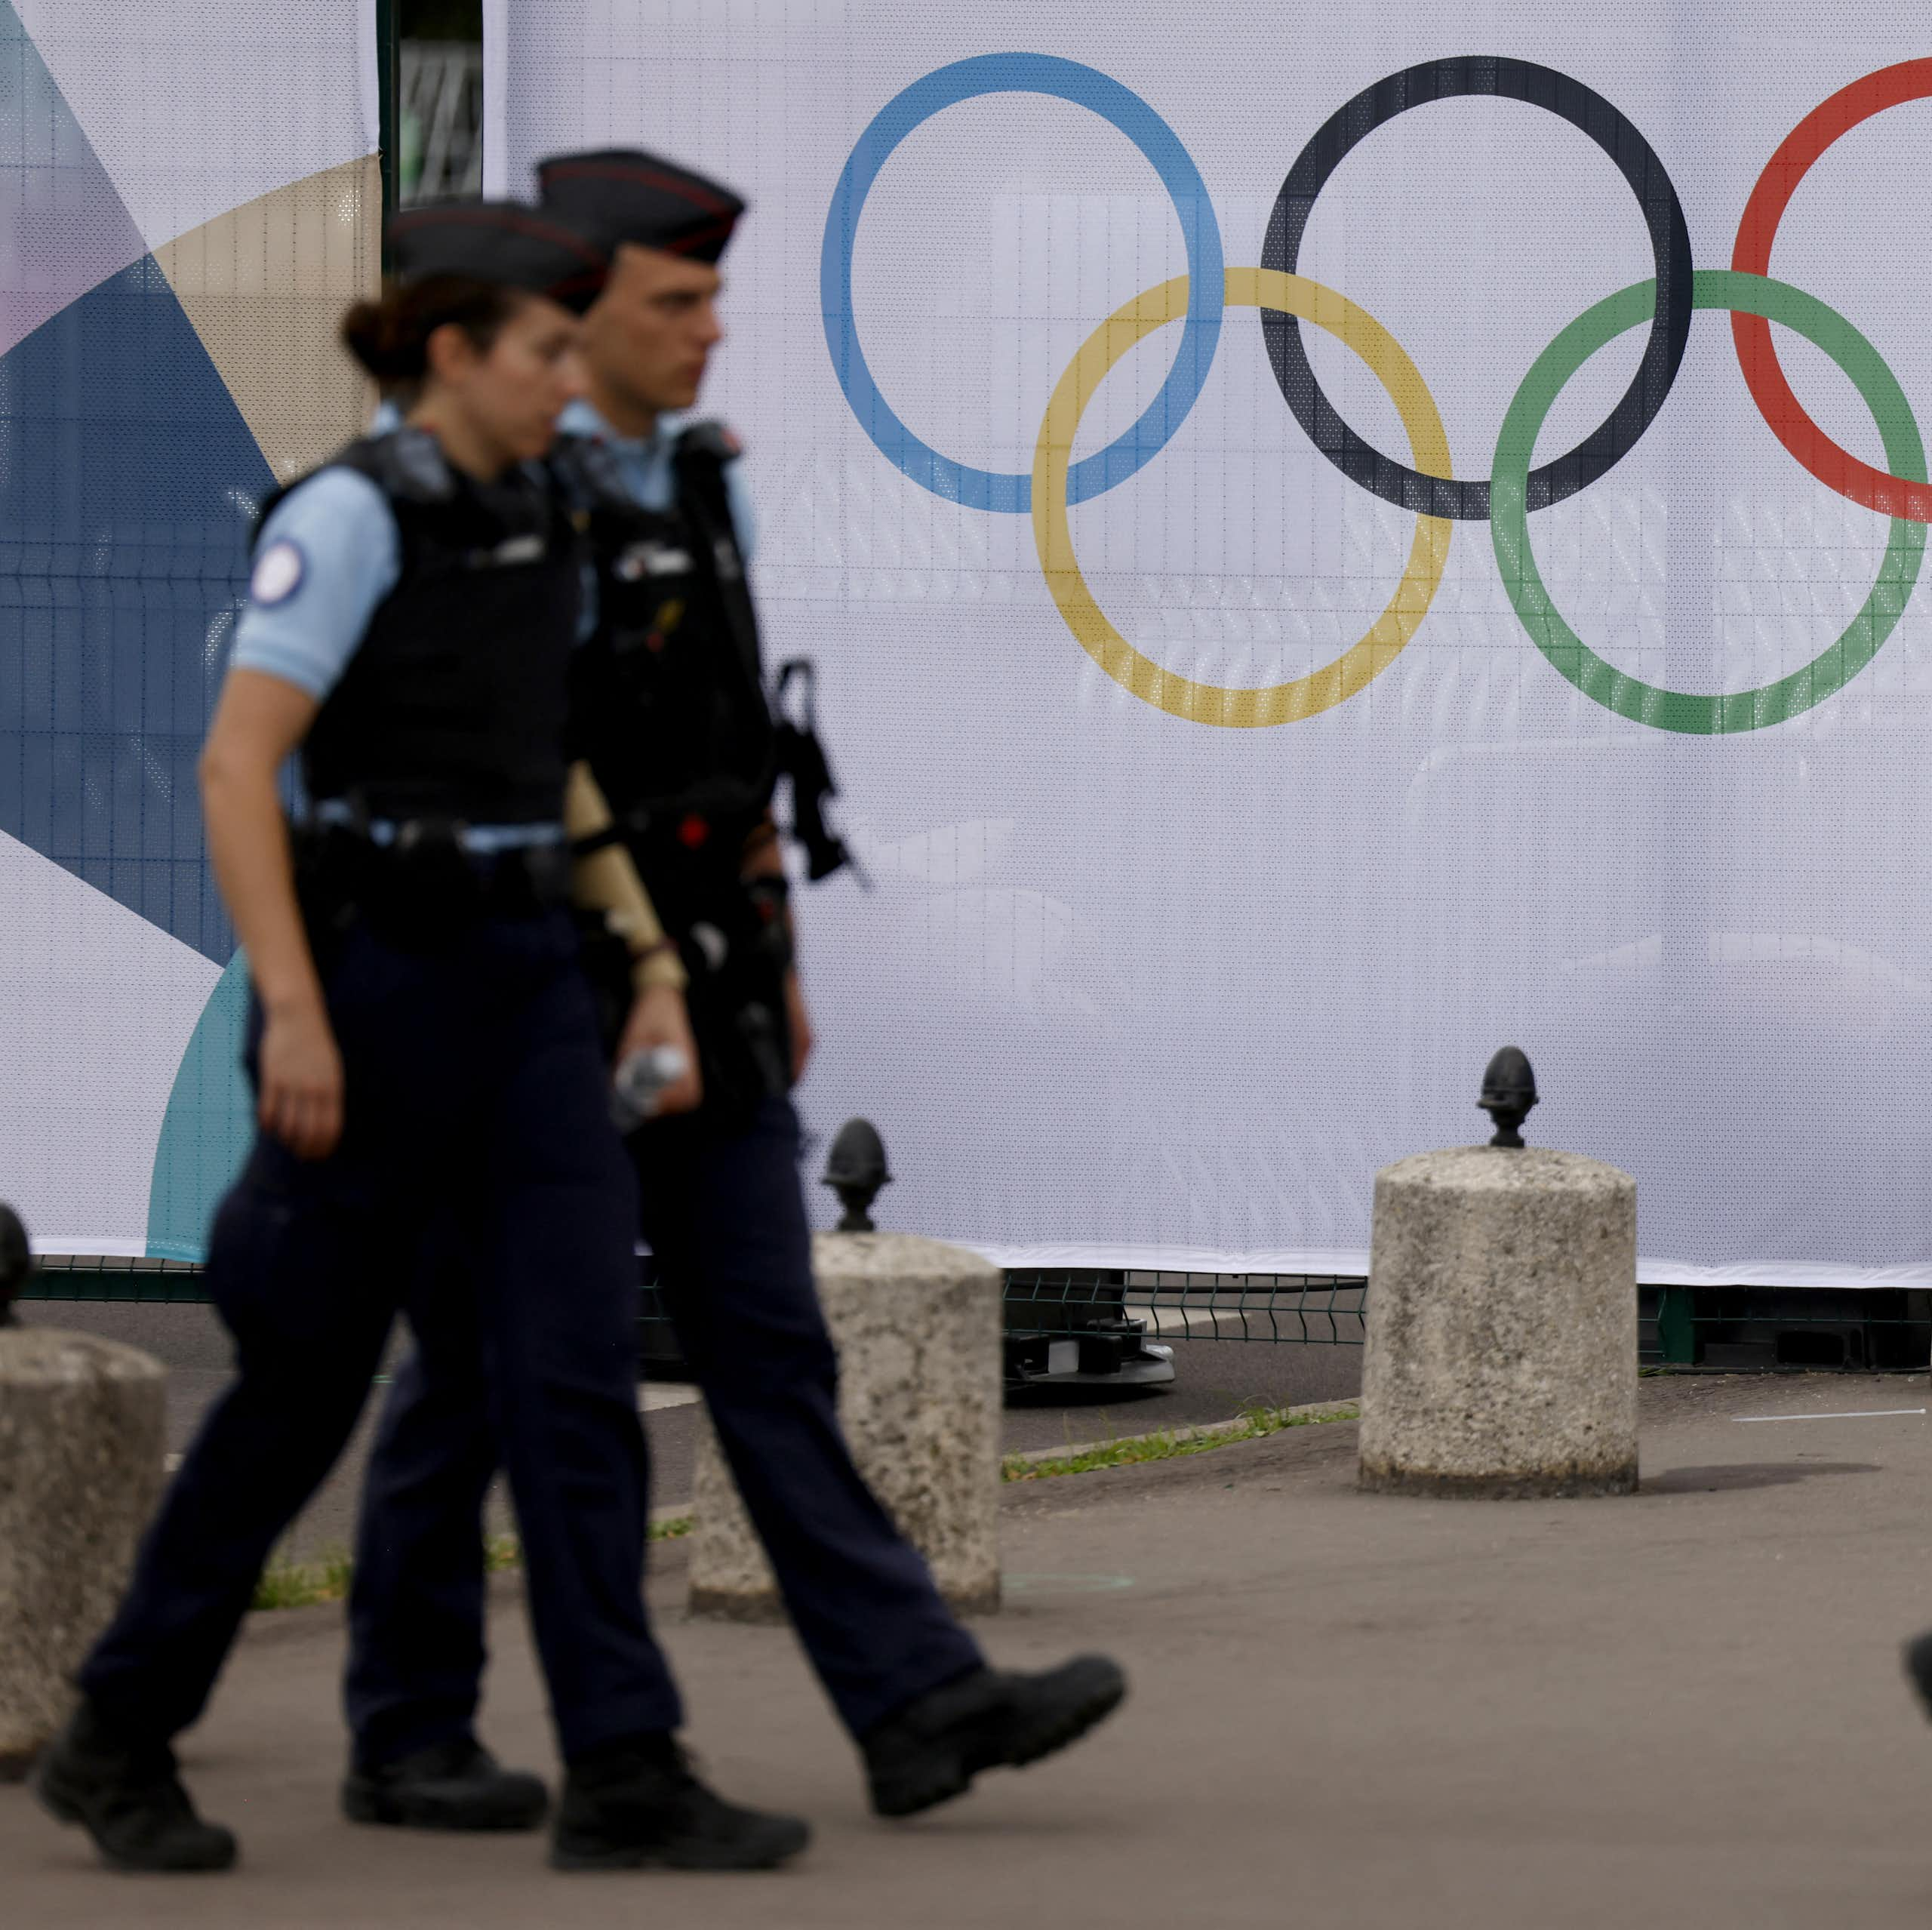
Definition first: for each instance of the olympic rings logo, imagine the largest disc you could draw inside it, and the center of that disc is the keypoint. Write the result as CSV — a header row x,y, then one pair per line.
x,y
1662,305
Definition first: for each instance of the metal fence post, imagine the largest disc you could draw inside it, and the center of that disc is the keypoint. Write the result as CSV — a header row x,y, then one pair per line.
x,y
1677,1335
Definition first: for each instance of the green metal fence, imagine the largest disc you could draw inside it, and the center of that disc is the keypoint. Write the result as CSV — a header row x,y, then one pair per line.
x,y
1309,1309
1740,1329
59,1276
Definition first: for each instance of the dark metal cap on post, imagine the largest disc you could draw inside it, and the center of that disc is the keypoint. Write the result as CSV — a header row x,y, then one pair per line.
x,y
16,1263
1508,1092
855,1169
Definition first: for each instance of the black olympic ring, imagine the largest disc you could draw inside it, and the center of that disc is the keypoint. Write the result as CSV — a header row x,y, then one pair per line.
x,y
1587,111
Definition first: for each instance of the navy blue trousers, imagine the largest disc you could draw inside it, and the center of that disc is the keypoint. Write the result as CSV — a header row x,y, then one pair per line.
x,y
476,1098
726,1219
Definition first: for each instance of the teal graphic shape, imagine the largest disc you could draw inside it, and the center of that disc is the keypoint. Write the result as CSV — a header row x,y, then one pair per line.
x,y
208,1126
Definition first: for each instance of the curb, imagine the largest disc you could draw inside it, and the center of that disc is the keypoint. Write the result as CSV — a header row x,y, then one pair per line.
x,y
1213,1430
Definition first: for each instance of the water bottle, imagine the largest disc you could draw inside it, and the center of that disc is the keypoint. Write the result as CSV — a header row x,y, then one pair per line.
x,y
640,1081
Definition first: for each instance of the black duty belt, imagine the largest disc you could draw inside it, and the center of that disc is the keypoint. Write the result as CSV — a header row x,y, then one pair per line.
x,y
424,883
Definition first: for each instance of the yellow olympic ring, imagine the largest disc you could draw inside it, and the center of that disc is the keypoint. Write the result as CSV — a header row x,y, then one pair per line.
x,y
1216,703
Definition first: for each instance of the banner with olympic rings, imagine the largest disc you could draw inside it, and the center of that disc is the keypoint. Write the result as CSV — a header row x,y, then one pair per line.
x,y
1335,542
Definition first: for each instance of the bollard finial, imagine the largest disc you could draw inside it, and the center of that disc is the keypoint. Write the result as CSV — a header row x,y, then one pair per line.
x,y
16,1263
855,1169
1508,1092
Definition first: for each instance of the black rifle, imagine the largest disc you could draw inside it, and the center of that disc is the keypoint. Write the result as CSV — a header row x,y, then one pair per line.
x,y
798,755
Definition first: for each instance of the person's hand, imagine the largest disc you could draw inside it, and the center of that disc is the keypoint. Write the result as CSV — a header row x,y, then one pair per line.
x,y
798,1024
301,1081
659,1018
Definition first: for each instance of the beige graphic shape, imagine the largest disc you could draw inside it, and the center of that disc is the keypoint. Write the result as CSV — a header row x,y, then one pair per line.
x,y
265,286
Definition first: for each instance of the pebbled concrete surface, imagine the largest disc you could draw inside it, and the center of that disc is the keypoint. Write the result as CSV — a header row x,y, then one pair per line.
x,y
1502,1344
80,1467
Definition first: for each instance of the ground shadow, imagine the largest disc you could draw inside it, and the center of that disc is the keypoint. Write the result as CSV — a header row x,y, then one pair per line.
x,y
1745,1474
1077,1394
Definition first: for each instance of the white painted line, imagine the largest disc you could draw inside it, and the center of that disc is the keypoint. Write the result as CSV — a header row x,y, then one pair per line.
x,y
1860,1413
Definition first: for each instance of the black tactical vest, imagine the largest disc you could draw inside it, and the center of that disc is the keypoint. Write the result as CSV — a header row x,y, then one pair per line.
x,y
455,704
670,704
670,712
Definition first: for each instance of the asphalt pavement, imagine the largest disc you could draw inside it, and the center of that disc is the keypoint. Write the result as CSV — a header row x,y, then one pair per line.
x,y
1214,1379
1683,1708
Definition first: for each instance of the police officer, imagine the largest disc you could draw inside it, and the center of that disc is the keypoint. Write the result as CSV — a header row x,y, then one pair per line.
x,y
675,721
425,1054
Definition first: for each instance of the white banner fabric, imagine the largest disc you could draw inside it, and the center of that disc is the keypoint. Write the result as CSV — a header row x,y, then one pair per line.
x,y
1224,813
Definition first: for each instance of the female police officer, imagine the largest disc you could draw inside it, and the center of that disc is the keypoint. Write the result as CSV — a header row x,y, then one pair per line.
x,y
423,1047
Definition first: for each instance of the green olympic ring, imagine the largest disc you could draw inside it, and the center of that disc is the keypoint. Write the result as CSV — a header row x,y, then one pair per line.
x,y
1687,711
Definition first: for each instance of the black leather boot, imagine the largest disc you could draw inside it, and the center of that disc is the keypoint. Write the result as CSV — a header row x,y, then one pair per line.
x,y
455,1785
933,1747
637,1803
126,1794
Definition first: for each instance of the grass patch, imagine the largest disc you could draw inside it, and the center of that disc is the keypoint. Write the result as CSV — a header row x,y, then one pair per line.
x,y
1254,1423
285,1584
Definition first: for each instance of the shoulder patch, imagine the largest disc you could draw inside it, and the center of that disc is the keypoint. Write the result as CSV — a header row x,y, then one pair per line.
x,y
277,572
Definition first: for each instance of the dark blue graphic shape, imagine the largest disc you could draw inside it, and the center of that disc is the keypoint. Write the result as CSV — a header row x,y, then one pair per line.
x,y
128,484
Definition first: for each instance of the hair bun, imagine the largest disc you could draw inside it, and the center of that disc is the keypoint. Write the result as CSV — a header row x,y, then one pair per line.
x,y
390,337
371,334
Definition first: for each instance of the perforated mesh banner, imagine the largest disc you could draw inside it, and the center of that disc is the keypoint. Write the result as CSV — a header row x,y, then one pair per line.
x,y
188,200
1230,787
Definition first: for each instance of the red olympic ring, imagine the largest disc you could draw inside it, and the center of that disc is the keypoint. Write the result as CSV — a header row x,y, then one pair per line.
x,y
1757,356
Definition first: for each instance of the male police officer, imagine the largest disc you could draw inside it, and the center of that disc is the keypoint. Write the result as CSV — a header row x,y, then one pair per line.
x,y
677,728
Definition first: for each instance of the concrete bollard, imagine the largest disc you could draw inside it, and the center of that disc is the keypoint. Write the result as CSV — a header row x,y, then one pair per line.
x,y
917,1326
81,1437
1501,1355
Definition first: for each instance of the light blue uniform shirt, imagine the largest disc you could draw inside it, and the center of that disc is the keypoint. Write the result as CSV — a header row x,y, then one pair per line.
x,y
328,554
645,463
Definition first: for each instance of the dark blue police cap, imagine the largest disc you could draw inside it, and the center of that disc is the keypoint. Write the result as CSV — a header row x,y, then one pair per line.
x,y
506,242
619,195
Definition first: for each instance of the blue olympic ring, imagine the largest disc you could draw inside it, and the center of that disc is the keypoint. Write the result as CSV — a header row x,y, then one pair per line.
x,y
1083,86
